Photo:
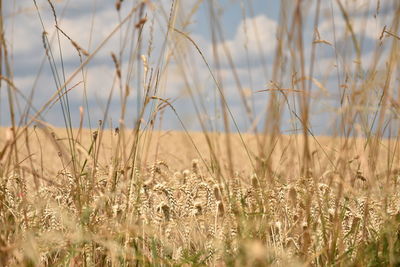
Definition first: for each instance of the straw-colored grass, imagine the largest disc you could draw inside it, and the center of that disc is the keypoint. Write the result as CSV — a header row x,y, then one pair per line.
x,y
143,196
176,211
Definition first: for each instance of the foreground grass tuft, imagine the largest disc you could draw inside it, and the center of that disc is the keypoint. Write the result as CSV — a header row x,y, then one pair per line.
x,y
168,217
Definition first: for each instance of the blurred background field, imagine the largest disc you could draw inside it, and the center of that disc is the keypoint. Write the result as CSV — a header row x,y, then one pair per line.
x,y
178,149
204,132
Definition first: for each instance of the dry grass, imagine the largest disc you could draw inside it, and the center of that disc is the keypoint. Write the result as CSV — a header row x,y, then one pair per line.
x,y
165,214
141,196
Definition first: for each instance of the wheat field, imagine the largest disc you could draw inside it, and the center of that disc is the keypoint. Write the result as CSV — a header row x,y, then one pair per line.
x,y
107,169
181,210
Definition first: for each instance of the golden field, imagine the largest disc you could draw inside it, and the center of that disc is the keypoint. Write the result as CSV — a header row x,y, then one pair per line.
x,y
277,195
179,206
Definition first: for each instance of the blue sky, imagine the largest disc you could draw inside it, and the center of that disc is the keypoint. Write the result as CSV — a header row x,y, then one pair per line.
x,y
185,71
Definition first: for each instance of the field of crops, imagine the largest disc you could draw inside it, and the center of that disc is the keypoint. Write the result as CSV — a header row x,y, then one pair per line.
x,y
199,133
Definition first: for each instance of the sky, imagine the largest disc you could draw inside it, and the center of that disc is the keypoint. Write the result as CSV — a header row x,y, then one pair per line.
x,y
241,57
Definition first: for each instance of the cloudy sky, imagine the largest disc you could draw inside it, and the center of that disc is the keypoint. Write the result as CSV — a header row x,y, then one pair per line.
x,y
240,41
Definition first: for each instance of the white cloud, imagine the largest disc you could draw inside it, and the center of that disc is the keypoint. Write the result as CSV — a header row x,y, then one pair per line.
x,y
258,34
367,26
99,82
362,7
24,36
